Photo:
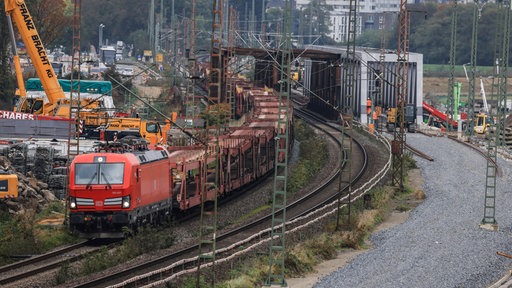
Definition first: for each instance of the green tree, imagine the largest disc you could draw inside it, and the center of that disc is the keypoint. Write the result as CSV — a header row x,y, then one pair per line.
x,y
431,35
6,78
369,38
316,15
50,19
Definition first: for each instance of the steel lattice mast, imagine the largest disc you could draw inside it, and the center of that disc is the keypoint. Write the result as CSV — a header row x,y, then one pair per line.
x,y
230,85
472,71
450,102
208,229
190,108
496,138
347,114
77,11
276,273
74,111
398,143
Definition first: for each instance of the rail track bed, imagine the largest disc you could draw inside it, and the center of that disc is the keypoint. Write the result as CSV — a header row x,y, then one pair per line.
x,y
251,237
18,273
237,238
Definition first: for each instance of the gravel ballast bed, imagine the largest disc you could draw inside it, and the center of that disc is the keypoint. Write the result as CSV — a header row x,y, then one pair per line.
x,y
441,244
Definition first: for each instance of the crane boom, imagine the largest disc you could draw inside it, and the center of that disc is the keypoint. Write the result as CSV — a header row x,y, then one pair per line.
x,y
482,93
19,14
22,92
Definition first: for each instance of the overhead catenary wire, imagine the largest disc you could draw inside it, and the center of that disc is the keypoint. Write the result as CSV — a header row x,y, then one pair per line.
x,y
182,129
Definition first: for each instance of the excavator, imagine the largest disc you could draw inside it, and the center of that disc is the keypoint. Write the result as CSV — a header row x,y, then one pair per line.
x,y
56,103
8,185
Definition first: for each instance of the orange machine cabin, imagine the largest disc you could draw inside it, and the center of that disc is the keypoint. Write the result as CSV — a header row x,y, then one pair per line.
x,y
8,186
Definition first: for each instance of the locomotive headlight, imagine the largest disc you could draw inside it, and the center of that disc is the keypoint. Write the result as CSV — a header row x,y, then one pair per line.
x,y
72,202
126,201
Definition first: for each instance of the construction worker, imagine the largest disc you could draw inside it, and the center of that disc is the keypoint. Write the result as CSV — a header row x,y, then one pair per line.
x,y
368,106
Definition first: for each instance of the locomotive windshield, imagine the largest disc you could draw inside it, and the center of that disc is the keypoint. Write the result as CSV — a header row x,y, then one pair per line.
x,y
99,173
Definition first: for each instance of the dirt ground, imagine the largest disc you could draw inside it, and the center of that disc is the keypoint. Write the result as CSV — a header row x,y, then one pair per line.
x,y
344,257
436,86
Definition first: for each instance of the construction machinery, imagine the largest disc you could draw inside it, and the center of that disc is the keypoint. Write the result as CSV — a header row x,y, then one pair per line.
x,y
483,119
152,131
54,102
409,119
433,112
8,185
18,13
482,122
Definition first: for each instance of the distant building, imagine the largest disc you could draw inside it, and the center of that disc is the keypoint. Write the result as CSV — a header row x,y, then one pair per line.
x,y
323,77
372,15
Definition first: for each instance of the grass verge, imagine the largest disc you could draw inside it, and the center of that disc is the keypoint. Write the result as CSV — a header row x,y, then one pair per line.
x,y
22,234
314,248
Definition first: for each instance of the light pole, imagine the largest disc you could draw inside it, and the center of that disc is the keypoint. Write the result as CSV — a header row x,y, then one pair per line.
x,y
100,36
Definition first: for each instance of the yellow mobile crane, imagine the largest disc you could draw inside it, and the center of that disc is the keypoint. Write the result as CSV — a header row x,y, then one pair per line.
x,y
18,13
21,91
58,104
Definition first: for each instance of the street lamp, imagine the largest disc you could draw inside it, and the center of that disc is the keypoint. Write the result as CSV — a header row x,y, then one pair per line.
x,y
100,36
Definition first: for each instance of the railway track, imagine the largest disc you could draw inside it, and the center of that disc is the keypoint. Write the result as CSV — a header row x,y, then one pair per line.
x,y
480,151
252,237
34,266
231,244
456,139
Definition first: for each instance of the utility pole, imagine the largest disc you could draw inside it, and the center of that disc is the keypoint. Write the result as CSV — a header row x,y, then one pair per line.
x,y
152,27
174,26
382,75
497,139
278,231
252,25
450,102
230,86
347,112
161,25
399,141
190,105
74,111
208,230
472,71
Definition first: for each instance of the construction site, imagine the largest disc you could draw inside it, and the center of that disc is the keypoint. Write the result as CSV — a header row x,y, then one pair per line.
x,y
207,145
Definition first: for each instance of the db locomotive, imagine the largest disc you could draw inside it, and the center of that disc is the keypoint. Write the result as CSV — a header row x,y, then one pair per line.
x,y
125,185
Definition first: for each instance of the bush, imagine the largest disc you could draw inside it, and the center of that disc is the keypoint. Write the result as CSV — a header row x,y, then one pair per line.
x,y
313,154
21,235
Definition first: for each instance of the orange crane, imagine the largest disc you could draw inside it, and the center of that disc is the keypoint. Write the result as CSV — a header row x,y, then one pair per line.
x,y
18,13
58,104
21,91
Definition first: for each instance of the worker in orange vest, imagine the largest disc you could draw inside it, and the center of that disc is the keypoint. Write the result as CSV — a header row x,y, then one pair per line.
x,y
368,106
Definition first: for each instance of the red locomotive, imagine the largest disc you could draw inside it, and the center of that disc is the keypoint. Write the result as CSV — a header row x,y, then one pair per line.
x,y
108,191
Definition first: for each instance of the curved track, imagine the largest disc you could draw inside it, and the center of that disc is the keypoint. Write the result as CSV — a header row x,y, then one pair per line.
x,y
254,236
46,262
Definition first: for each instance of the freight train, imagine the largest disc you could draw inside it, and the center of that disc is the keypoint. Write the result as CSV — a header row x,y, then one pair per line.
x,y
125,184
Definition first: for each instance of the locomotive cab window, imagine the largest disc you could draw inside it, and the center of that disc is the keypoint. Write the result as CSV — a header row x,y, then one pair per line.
x,y
99,173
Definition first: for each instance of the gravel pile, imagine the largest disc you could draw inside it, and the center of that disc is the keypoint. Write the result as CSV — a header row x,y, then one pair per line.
x,y
441,244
